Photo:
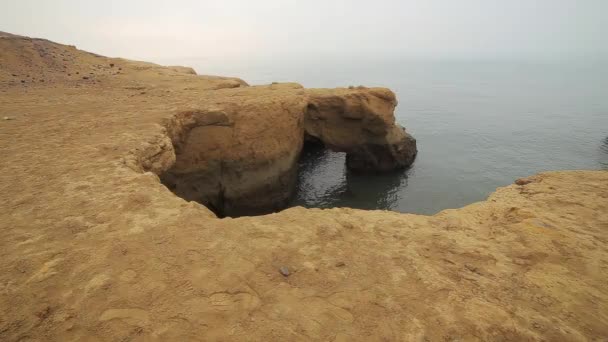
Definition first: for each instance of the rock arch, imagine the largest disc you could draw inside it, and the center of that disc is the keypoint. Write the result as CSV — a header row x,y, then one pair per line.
x,y
242,159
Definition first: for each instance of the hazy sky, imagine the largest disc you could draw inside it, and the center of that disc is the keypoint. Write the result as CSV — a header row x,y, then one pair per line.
x,y
236,30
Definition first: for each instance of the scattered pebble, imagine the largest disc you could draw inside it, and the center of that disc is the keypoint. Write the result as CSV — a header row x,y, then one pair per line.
x,y
340,264
7,118
284,271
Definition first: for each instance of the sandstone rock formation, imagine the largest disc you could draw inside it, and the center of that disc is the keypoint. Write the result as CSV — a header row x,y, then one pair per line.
x,y
95,248
360,122
241,158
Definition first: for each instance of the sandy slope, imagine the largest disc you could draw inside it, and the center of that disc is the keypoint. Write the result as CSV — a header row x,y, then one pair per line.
x,y
94,248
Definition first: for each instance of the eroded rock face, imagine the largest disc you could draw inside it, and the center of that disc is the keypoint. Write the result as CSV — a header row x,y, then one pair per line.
x,y
360,122
395,151
241,158
238,159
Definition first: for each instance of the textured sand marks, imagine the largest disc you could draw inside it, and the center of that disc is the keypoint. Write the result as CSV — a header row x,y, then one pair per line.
x,y
131,316
47,270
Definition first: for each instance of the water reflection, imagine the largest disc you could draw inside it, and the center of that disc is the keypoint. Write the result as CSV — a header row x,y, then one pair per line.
x,y
325,182
378,191
604,154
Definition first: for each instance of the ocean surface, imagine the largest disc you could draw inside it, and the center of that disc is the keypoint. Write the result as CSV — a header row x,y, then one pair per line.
x,y
479,125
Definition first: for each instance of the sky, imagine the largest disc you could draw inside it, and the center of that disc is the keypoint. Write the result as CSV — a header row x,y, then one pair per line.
x,y
233,31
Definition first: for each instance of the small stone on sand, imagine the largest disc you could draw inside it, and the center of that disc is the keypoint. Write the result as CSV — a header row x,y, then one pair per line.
x,y
284,271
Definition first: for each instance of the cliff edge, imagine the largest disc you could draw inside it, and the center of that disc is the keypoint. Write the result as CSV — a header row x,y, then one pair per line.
x,y
95,247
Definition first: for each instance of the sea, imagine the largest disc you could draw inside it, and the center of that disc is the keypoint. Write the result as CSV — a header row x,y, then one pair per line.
x,y
479,125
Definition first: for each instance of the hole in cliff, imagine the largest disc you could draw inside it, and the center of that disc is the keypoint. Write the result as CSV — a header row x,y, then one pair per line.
x,y
325,181
226,187
319,179
321,175
256,176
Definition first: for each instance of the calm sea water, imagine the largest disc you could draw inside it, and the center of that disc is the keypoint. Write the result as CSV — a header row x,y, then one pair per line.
x,y
479,126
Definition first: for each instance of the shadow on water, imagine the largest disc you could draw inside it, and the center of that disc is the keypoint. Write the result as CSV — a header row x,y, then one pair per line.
x,y
604,154
325,182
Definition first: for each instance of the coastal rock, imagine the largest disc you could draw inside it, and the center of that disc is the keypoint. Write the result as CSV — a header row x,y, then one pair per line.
x,y
360,121
241,158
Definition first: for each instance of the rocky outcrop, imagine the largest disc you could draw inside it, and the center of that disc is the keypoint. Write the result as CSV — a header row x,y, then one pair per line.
x,y
241,159
360,122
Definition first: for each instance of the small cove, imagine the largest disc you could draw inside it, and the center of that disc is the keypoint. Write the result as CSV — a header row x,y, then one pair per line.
x,y
479,126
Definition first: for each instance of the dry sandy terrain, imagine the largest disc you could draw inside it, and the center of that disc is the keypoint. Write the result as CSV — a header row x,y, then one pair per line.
x,y
95,248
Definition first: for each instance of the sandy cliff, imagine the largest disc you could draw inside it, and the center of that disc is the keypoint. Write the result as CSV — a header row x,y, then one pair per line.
x,y
95,247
